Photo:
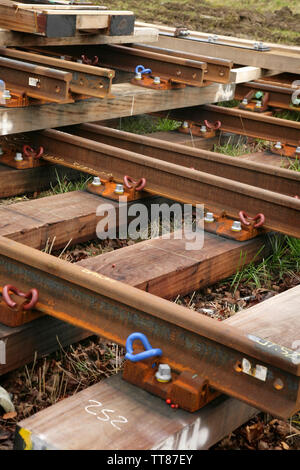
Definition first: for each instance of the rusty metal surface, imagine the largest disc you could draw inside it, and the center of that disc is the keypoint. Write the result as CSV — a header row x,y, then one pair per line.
x,y
279,96
37,81
189,342
173,181
177,69
255,174
86,80
243,122
218,70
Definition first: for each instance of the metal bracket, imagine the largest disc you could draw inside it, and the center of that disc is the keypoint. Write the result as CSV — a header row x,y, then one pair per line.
x,y
238,230
260,47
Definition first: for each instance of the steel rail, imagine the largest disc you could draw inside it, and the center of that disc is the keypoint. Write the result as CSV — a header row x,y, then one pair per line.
x,y
37,81
173,181
218,70
189,341
279,96
179,70
242,122
86,79
255,174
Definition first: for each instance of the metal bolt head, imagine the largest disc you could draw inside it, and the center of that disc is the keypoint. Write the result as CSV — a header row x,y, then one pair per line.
x,y
164,373
297,151
203,129
96,181
185,125
156,80
278,145
18,157
258,104
209,217
119,189
62,57
79,61
296,101
138,76
236,226
245,101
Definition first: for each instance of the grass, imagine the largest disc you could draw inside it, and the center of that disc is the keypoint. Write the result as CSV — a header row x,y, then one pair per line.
x,y
286,114
293,164
284,261
147,124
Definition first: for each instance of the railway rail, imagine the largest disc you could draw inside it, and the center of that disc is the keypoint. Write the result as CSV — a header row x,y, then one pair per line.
x,y
207,358
191,344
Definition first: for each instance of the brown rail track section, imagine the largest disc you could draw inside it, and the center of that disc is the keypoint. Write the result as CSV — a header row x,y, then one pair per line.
x,y
171,180
243,122
189,342
274,179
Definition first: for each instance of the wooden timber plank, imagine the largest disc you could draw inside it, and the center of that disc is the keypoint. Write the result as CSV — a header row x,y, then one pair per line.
x,y
184,139
276,319
129,100
274,59
142,421
14,182
64,216
166,268
267,158
20,344
66,22
245,74
226,39
14,38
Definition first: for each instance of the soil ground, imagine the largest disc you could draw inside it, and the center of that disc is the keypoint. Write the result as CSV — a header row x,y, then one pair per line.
x,y
270,21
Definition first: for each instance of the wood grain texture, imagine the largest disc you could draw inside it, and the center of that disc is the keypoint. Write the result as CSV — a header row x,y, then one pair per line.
x,y
151,424
165,268
281,60
39,336
129,100
14,182
64,216
276,319
14,38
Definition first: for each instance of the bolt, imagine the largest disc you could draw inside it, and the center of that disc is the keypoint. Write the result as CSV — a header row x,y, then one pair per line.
x,y
209,217
79,61
245,101
119,189
278,146
18,157
296,101
156,80
297,151
138,76
185,125
62,57
259,46
96,181
213,38
203,129
236,226
164,373
258,104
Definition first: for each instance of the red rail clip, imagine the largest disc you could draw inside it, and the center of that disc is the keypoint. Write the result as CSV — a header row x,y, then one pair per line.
x,y
246,219
214,126
130,183
30,152
32,296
